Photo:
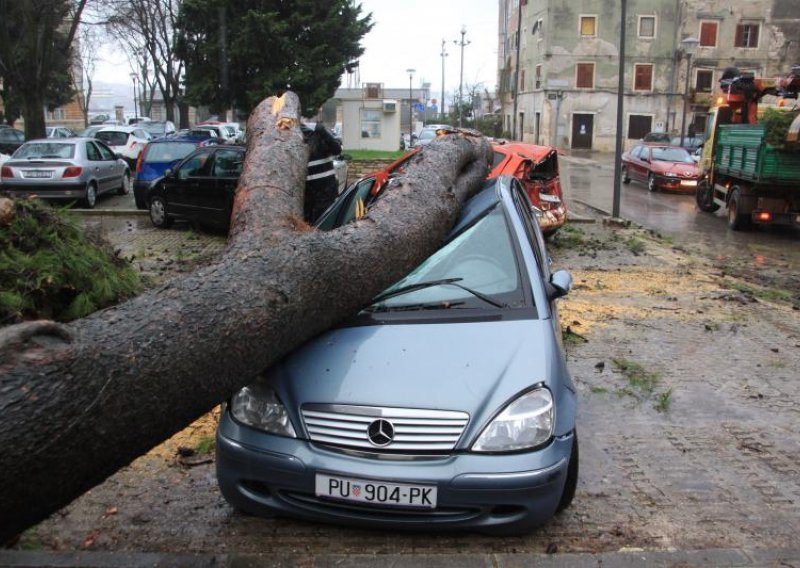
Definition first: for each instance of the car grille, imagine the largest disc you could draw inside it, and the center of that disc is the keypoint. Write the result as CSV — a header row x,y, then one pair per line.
x,y
414,430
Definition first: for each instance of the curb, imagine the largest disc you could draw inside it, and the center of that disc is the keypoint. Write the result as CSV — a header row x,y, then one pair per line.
x,y
712,558
110,212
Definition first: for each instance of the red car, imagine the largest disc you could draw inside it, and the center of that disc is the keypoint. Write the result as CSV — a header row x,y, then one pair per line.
x,y
535,166
661,166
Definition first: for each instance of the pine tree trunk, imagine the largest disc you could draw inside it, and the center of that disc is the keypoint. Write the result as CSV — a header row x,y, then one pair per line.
x,y
79,401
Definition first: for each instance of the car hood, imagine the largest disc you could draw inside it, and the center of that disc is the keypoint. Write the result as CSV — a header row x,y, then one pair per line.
x,y
473,367
681,168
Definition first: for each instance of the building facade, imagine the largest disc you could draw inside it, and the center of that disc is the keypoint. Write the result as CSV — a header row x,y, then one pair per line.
x,y
559,62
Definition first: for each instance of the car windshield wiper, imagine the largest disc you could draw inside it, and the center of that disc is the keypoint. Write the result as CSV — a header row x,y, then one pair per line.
x,y
411,307
441,282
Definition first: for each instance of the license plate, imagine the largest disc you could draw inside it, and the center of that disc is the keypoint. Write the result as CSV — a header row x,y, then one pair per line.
x,y
37,174
376,492
689,183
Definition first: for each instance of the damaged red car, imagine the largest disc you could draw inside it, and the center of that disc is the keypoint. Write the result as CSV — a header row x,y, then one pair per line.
x,y
535,166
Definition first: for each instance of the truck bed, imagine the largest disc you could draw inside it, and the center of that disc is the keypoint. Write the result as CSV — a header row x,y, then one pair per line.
x,y
742,153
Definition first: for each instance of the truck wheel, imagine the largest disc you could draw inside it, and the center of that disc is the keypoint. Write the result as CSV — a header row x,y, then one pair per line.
x,y
625,177
705,197
736,219
651,183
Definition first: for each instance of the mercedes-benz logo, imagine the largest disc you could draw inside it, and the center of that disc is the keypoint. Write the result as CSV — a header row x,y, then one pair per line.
x,y
380,433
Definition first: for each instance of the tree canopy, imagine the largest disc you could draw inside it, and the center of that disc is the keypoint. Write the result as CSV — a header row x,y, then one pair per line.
x,y
236,51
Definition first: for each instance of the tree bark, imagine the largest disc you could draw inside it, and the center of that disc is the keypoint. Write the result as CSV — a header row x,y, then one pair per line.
x,y
79,401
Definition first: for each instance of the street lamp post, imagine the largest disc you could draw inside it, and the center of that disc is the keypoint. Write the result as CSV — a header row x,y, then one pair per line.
x,y
462,43
689,45
443,54
135,110
410,106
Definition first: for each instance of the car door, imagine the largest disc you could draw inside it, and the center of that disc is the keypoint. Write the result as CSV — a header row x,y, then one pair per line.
x,y
183,188
637,165
226,170
111,169
96,166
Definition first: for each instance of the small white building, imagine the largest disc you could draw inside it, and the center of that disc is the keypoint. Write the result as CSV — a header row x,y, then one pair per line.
x,y
373,118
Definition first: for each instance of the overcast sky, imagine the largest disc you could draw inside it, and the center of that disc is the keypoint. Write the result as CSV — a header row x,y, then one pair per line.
x,y
407,34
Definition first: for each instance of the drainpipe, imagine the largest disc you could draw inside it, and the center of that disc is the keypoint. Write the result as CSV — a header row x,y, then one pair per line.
x,y
516,71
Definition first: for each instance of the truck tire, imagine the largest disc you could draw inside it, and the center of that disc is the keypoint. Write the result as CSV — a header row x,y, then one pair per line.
x,y
737,220
704,195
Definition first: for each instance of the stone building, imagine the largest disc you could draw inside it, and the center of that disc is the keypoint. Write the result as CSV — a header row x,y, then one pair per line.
x,y
558,63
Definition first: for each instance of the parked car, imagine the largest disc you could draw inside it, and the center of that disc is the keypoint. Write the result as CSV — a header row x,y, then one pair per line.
x,y
661,166
59,132
99,119
10,140
127,141
157,128
222,132
536,167
660,137
157,157
90,131
200,188
66,169
444,404
691,143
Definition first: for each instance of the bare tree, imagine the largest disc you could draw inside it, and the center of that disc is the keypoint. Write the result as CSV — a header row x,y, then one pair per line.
x,y
87,56
81,400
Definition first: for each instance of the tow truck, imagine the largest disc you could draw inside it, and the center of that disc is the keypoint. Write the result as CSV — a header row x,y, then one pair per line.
x,y
758,182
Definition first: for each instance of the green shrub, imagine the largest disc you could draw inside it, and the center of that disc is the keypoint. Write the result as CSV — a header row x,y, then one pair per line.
x,y
51,268
776,125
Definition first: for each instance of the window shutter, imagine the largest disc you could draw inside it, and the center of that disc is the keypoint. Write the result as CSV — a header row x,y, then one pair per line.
x,y
708,34
739,40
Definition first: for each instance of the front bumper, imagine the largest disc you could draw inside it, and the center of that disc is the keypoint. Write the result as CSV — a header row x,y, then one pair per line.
x,y
672,183
502,494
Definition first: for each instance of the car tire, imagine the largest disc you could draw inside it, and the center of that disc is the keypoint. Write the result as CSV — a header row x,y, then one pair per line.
x,y
651,183
704,196
737,221
125,188
626,179
158,213
571,483
90,198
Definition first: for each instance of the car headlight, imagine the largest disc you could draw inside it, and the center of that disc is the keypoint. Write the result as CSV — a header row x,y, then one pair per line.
x,y
258,406
525,423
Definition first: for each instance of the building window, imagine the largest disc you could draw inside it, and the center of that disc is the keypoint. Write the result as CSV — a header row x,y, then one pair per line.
x,y
584,76
588,26
643,77
370,123
704,81
746,35
639,125
539,27
647,27
538,76
708,34
522,80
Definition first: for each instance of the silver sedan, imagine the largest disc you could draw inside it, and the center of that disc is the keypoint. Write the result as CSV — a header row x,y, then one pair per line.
x,y
70,169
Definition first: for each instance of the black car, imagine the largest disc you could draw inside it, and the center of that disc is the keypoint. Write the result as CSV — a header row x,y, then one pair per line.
x,y
200,188
10,140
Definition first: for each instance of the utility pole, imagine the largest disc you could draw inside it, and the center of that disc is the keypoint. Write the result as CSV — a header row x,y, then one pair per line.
x,y
135,109
516,75
620,101
463,44
443,55
410,107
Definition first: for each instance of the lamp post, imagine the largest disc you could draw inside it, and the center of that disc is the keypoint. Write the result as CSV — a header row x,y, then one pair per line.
x,y
410,106
443,54
135,110
689,45
462,43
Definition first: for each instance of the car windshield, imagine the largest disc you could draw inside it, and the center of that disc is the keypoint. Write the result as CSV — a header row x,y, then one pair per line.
x,y
477,268
9,134
154,128
169,151
45,150
113,138
427,135
672,155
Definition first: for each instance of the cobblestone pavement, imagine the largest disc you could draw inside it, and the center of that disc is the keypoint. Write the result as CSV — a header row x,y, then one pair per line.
x,y
688,424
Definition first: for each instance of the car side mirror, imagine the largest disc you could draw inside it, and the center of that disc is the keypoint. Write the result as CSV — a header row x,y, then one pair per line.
x,y
560,284
345,157
118,156
168,173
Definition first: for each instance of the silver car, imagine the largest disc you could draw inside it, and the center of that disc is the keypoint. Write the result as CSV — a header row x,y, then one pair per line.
x,y
69,169
444,404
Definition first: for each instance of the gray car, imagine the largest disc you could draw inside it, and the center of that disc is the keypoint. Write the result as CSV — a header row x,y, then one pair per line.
x,y
444,404
68,169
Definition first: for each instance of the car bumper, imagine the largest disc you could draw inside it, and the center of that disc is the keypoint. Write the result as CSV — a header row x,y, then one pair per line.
x,y
63,190
676,184
505,494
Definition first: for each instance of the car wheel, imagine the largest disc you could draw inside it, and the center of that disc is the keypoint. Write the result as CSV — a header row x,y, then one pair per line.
x,y
90,199
572,476
651,183
125,188
736,219
625,177
705,197
158,213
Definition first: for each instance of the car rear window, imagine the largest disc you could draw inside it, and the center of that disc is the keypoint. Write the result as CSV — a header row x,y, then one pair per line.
x,y
169,152
57,150
113,138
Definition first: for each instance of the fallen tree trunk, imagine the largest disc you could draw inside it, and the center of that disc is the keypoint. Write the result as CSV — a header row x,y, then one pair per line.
x,y
79,401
